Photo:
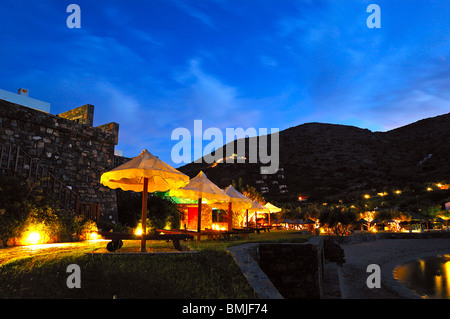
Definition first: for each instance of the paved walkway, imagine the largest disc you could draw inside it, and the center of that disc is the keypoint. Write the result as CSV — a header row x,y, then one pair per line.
x,y
387,253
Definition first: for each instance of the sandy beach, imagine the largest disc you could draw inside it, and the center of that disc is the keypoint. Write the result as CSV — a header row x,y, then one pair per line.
x,y
387,253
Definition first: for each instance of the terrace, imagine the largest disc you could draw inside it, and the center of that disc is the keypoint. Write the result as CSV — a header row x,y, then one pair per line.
x,y
39,271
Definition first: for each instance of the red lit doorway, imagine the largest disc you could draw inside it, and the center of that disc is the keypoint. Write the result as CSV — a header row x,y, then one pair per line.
x,y
192,218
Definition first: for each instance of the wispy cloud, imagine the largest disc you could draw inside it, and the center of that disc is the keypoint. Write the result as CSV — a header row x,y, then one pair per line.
x,y
268,61
207,97
195,13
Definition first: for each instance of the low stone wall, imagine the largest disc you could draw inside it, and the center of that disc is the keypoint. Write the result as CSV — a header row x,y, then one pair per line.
x,y
295,269
359,238
283,270
246,257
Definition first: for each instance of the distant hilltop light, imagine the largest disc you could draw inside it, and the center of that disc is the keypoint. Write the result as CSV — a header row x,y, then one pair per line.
x,y
22,98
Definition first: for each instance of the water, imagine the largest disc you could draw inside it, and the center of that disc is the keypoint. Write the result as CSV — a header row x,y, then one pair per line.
x,y
428,277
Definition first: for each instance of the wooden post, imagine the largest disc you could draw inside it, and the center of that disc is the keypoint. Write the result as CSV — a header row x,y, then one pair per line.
x,y
144,214
247,219
199,216
230,217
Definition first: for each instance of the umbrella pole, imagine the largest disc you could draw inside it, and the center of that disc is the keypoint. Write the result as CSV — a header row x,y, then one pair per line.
x,y
230,218
144,214
247,219
199,216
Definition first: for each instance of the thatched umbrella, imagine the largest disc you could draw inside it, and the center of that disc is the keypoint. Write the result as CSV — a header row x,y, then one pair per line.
x,y
237,201
144,173
272,209
200,187
257,207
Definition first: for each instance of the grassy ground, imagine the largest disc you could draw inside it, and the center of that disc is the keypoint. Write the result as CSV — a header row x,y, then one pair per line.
x,y
210,272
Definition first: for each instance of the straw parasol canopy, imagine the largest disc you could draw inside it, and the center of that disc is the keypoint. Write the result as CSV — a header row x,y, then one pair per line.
x,y
238,202
200,187
272,208
144,173
130,176
238,199
257,207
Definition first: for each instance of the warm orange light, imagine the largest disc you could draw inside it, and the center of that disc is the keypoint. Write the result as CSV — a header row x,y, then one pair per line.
x,y
138,231
429,189
34,235
93,236
33,238
366,196
398,192
217,227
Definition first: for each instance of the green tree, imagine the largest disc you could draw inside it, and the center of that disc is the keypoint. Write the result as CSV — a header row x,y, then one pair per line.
x,y
432,211
161,211
338,219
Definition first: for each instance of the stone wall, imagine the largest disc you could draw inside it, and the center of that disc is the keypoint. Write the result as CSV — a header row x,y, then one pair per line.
x,y
296,270
75,153
83,115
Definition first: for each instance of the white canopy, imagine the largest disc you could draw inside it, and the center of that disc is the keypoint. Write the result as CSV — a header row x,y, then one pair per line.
x,y
130,176
201,187
239,201
272,208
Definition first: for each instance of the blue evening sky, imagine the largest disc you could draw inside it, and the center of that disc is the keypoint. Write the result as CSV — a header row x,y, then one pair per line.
x,y
153,66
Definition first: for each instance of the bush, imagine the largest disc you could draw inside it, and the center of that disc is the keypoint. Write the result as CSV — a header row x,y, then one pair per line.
x,y
161,212
14,205
338,219
24,209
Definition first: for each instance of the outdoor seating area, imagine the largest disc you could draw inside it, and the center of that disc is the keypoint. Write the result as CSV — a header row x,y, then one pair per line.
x,y
198,198
117,239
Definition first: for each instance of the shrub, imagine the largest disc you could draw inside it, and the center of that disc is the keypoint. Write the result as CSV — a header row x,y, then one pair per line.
x,y
161,212
14,197
338,219
25,210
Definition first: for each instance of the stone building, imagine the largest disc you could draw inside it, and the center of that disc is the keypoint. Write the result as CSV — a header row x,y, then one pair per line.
x,y
68,146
